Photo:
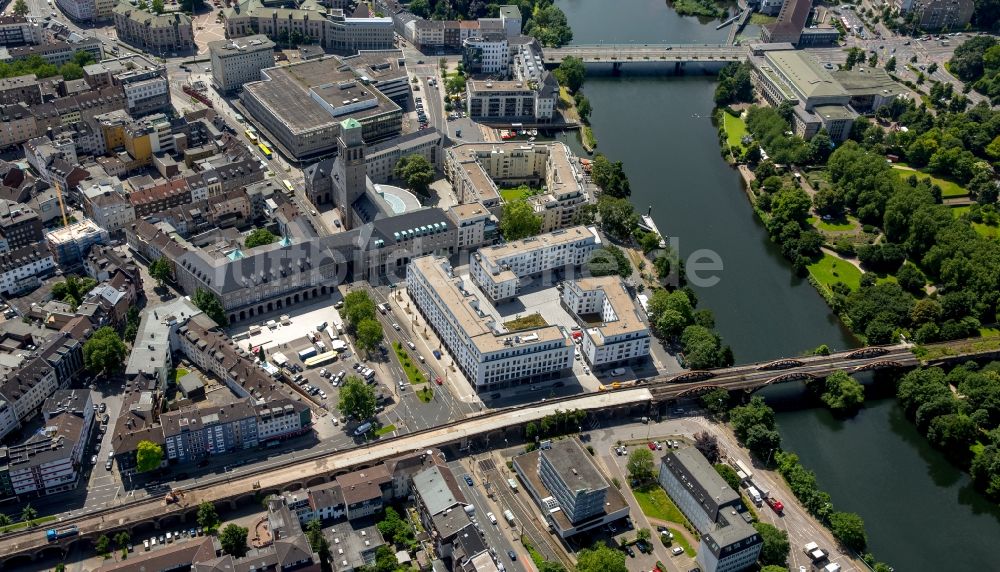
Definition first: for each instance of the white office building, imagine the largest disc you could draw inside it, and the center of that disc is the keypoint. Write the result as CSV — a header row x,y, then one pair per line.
x,y
614,332
491,357
486,54
239,61
498,270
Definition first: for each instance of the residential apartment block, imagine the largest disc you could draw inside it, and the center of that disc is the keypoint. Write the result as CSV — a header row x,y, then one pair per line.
x,y
486,54
24,269
491,357
312,20
613,329
18,31
239,61
156,33
728,542
106,203
939,14
69,244
59,52
498,270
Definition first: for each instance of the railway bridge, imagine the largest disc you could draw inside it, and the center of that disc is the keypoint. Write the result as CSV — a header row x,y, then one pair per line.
x,y
310,469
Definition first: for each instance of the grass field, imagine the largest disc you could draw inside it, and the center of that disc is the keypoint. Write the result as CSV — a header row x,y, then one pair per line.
x,y
524,322
982,229
385,430
837,225
412,373
830,270
19,525
735,130
948,188
655,504
682,542
518,193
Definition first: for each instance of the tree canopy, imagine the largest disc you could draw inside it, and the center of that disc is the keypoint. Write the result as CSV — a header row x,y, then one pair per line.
x,y
610,176
209,303
416,171
640,465
357,399
73,289
234,540
601,558
259,237
369,335
519,220
104,352
842,393
609,260
776,545
571,73
148,456
160,270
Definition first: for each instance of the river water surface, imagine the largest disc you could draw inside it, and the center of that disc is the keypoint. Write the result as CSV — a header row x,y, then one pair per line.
x,y
920,511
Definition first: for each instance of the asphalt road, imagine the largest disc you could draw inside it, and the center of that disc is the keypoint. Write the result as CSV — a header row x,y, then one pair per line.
x,y
477,494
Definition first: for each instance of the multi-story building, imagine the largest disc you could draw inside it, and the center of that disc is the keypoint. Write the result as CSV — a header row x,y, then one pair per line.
x,y
794,76
728,542
158,33
24,268
613,330
156,339
475,225
50,460
491,357
20,89
107,205
17,125
939,14
486,54
19,226
142,80
58,53
792,18
79,10
770,7
477,170
502,101
191,432
303,106
239,61
381,158
17,31
311,20
569,488
69,244
28,387
498,270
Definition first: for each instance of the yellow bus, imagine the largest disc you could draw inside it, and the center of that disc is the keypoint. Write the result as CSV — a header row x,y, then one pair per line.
x,y
288,185
263,149
251,136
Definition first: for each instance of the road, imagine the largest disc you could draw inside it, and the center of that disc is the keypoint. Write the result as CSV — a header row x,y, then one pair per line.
x,y
639,52
496,535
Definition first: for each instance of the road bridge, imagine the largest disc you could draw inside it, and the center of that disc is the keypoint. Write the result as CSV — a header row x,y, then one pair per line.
x,y
311,469
620,54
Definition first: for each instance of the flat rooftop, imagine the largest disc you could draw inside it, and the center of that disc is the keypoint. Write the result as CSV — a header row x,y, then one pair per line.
x,y
475,316
572,463
484,86
317,94
805,72
625,309
496,254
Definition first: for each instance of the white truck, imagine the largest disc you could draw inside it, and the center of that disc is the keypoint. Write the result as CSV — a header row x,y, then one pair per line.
x,y
814,552
755,495
509,517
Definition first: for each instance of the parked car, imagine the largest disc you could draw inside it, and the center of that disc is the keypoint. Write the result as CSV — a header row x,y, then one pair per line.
x,y
677,551
630,552
651,445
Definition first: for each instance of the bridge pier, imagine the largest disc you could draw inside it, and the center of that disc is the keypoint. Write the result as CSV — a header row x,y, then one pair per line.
x,y
616,68
679,68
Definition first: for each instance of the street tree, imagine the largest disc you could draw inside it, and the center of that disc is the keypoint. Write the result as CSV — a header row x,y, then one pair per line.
x,y
849,529
416,171
160,270
103,545
357,398
209,303
122,540
369,335
157,6
643,534
28,514
640,465
716,401
776,545
148,456
105,351
5,520
519,221
208,517
708,445
601,558
234,540
21,8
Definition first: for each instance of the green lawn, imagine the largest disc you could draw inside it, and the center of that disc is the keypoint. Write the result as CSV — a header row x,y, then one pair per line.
x,y
19,525
988,332
655,503
948,188
836,225
518,193
385,430
830,270
425,394
735,128
524,322
179,373
682,542
412,372
986,230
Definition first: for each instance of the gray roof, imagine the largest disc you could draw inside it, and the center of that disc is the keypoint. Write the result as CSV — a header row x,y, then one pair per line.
x,y
805,72
574,466
436,490
727,538
703,481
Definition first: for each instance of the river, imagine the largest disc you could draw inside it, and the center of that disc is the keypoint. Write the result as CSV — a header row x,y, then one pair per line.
x,y
920,511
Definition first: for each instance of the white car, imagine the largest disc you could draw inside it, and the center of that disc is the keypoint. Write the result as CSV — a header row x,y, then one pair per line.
x,y
395,326
677,551
492,517
145,544
586,369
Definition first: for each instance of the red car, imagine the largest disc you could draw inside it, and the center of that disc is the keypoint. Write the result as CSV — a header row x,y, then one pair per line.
x,y
438,381
652,446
